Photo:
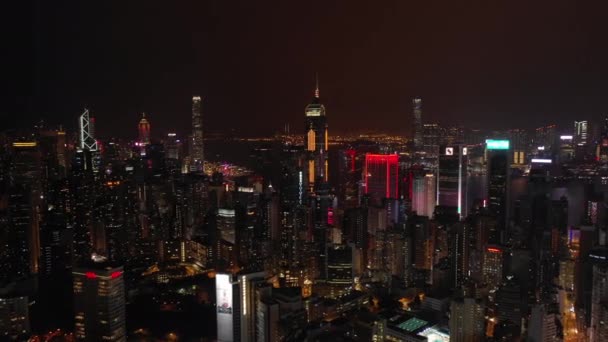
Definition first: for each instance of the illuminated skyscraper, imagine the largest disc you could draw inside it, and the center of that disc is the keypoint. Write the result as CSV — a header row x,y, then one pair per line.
x,y
417,103
87,132
99,303
316,140
197,154
236,306
144,131
424,194
452,176
381,175
580,132
492,266
498,163
20,253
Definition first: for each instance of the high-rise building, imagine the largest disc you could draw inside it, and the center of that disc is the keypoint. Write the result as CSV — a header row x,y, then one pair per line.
x,y
424,194
519,145
431,139
236,306
316,140
197,153
99,302
417,106
498,165
452,176
542,327
599,302
21,254
492,266
467,320
172,146
14,318
580,132
143,128
381,175
87,132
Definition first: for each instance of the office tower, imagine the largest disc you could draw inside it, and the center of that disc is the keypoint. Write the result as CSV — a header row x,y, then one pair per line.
x,y
417,104
143,128
603,142
566,148
315,140
599,302
542,327
581,132
511,304
453,136
461,240
236,306
172,145
545,139
197,152
424,193
14,318
467,320
519,145
87,132
498,163
431,139
452,178
339,268
22,251
381,176
422,232
99,302
492,266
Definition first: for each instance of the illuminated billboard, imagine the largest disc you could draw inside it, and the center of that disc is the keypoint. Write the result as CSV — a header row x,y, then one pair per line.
x,y
493,144
541,161
223,295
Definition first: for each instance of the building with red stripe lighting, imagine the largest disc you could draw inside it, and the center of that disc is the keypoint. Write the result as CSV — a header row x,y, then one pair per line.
x,y
381,175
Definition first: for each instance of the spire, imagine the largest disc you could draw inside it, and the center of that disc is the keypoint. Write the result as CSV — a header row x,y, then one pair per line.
x,y
317,85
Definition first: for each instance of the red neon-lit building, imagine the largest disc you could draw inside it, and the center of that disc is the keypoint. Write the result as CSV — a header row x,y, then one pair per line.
x,y
99,303
381,175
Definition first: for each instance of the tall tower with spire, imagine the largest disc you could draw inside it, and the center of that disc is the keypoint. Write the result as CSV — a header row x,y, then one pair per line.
x,y
316,139
144,130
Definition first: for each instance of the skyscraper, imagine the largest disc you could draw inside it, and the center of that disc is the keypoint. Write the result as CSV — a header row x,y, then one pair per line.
x,y
236,306
417,103
87,132
14,317
99,302
452,176
144,131
467,320
580,132
498,163
197,154
316,140
381,175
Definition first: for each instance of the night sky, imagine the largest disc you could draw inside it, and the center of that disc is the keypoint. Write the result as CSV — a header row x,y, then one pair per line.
x,y
476,63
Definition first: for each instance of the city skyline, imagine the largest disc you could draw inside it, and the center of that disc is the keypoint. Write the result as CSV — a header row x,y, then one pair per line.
x,y
305,172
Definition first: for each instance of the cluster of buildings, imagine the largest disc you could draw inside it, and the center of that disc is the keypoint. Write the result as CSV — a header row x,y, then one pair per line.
x,y
455,234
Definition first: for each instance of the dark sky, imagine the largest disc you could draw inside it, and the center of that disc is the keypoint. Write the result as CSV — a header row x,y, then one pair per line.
x,y
477,63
